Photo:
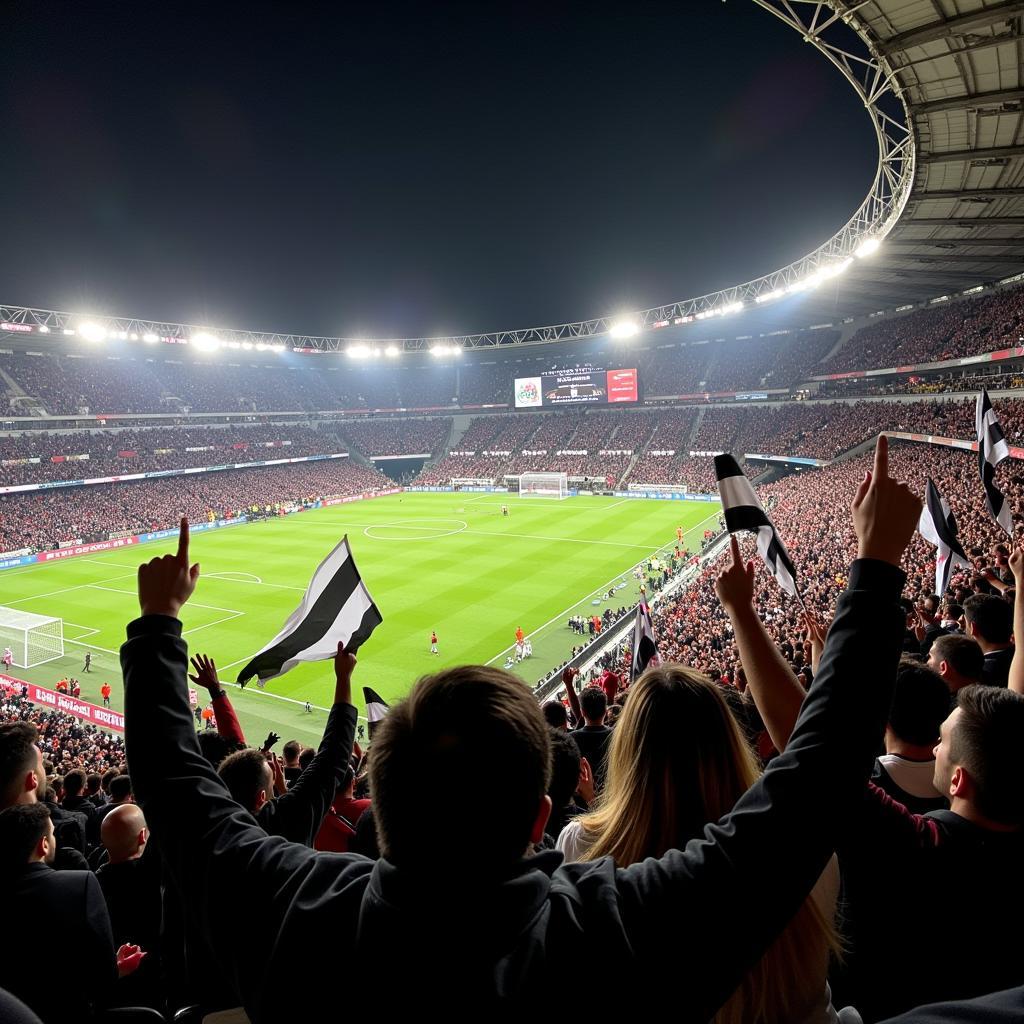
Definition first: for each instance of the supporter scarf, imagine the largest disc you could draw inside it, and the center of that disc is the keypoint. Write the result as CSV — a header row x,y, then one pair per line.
x,y
992,450
744,511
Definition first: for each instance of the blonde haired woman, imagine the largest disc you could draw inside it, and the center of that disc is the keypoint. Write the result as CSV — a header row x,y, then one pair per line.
x,y
678,760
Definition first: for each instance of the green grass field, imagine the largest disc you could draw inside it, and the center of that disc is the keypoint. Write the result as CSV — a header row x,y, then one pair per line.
x,y
447,562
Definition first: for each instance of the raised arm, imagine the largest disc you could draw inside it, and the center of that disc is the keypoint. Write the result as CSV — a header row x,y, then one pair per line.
x,y
777,693
206,676
569,680
300,811
1016,681
738,886
213,848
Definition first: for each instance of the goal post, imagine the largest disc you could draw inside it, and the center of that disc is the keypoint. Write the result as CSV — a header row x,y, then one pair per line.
x,y
544,485
33,639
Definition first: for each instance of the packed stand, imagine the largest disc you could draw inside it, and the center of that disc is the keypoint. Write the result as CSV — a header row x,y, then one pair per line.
x,y
397,437
39,457
40,520
951,330
777,361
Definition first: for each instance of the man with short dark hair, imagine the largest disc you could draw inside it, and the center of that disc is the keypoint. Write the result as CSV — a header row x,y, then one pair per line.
x,y
958,660
22,775
486,927
912,882
297,813
120,794
592,736
990,622
94,789
292,768
71,904
555,714
76,801
906,770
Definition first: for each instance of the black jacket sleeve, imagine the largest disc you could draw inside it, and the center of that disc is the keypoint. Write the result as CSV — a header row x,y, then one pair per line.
x,y
717,905
214,850
298,813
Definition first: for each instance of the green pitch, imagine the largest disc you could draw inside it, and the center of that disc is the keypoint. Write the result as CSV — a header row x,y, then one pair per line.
x,y
445,562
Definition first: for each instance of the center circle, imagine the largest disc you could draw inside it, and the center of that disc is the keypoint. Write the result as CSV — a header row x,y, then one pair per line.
x,y
393,531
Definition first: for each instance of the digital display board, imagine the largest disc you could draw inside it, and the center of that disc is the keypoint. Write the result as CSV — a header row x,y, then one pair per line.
x,y
579,386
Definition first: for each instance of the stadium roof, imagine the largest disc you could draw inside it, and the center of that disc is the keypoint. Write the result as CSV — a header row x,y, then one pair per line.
x,y
958,65
941,82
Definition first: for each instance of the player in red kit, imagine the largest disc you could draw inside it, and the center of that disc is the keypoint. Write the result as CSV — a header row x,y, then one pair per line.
x,y
433,643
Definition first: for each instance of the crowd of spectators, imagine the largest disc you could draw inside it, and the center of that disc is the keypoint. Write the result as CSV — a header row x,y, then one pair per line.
x,y
66,742
41,456
950,330
397,436
760,717
39,520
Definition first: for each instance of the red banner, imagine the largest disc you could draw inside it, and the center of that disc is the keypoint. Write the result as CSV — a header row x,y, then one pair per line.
x,y
104,717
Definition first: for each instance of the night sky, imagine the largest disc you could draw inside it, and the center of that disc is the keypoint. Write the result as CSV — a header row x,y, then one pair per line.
x,y
385,169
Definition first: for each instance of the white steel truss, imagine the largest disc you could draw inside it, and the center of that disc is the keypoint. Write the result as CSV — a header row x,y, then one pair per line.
x,y
828,25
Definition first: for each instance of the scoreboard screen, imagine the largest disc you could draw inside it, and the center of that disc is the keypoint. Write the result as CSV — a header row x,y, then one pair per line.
x,y
580,386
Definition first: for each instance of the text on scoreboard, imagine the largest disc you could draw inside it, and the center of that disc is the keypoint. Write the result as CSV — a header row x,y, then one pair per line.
x,y
582,386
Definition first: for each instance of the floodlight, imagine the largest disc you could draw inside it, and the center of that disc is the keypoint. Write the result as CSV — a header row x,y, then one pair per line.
x,y
205,341
391,351
867,247
623,329
43,329
69,331
92,332
247,346
150,338
358,351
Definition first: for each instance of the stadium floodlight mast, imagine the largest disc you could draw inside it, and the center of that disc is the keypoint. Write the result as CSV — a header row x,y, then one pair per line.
x,y
833,29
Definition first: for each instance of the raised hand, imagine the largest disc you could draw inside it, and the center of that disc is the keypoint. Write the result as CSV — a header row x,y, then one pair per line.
x,y
885,511
166,583
735,584
816,634
344,666
1017,566
206,673
585,785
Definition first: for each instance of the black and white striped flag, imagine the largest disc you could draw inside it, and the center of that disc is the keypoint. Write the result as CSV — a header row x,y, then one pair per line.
x,y
336,608
992,450
376,708
645,647
744,511
938,527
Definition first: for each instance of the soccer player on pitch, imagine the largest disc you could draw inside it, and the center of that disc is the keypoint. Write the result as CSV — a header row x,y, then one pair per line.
x,y
679,534
433,642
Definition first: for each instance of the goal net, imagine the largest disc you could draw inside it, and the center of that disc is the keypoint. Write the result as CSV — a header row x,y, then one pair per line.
x,y
544,485
33,639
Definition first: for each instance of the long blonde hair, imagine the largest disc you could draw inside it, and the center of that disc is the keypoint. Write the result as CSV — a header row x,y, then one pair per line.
x,y
677,761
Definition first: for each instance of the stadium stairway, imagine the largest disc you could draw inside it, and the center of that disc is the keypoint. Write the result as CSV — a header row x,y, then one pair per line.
x,y
697,420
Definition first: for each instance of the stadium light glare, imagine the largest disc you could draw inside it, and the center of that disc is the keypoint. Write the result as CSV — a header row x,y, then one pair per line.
x,y
205,342
43,329
392,352
92,332
623,329
867,248
247,346
150,338
445,350
277,348
358,351
69,331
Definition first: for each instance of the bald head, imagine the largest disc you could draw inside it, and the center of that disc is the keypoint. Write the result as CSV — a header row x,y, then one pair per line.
x,y
123,833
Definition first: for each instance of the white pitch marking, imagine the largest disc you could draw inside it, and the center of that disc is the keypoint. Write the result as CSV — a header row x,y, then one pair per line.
x,y
67,590
604,588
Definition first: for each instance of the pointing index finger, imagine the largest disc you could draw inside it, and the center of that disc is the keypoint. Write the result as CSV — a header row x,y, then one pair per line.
x,y
183,542
881,457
